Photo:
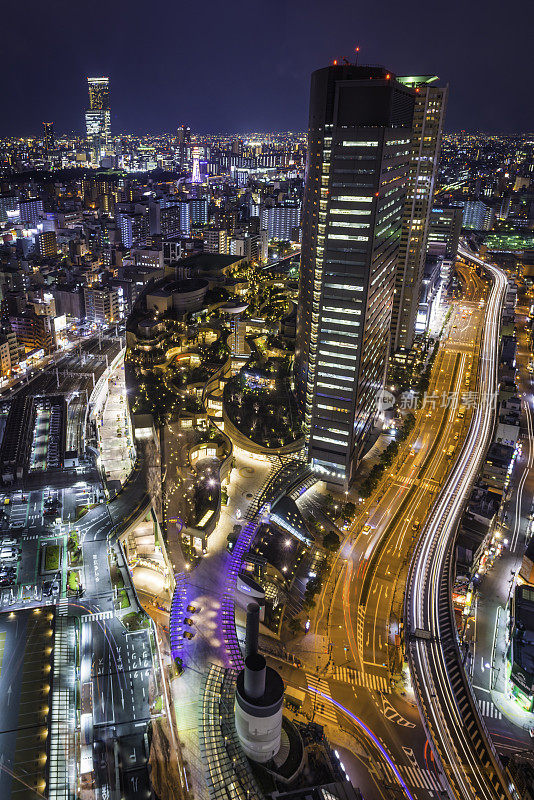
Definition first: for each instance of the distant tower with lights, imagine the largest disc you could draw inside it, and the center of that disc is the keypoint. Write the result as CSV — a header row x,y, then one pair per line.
x,y
48,136
196,165
183,141
98,117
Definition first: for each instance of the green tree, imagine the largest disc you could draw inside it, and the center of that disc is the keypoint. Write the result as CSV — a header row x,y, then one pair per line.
x,y
331,541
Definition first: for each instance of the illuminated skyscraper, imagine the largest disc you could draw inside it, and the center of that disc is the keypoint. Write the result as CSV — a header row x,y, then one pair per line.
x,y
98,94
98,117
183,140
197,152
48,136
358,157
428,117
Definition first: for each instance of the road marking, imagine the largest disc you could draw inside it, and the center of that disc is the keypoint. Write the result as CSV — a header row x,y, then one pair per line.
x,y
322,707
62,607
392,715
368,680
421,778
489,710
98,615
415,777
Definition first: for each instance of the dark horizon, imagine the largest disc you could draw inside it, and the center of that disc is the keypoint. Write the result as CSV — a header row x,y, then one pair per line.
x,y
166,69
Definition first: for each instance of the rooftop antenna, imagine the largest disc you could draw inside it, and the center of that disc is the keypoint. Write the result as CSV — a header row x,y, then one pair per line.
x,y
356,50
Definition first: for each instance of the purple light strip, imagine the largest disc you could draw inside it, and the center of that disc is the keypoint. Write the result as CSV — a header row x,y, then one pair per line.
x,y
228,604
175,617
371,735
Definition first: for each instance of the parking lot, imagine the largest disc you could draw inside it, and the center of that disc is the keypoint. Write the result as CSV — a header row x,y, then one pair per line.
x,y
28,524
26,642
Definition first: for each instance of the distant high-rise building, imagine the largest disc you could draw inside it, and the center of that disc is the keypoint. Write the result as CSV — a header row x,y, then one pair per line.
x,y
133,221
47,244
31,210
478,215
429,111
358,157
48,136
444,232
282,222
199,211
98,94
196,153
98,116
183,140
101,304
216,240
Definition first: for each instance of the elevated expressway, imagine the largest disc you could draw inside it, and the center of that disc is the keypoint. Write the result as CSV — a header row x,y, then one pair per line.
x,y
446,703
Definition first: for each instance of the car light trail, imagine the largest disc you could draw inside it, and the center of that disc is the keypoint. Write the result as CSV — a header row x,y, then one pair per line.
x,y
456,731
370,734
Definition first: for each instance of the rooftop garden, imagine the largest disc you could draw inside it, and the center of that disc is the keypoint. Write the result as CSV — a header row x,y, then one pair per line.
x,y
260,403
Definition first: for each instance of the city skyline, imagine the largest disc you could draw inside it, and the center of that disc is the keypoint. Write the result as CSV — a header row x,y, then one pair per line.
x,y
266,407
258,71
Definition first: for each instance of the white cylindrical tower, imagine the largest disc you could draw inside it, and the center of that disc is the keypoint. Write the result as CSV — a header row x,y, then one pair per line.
x,y
258,700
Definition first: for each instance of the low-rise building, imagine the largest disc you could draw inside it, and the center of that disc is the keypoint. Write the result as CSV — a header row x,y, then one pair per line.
x,y
101,304
521,650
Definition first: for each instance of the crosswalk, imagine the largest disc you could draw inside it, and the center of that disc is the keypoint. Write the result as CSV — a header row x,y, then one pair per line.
x,y
62,607
413,775
97,616
323,708
376,683
419,778
487,709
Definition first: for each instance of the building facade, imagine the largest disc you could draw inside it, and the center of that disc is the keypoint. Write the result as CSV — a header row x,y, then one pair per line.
x,y
358,158
478,215
31,210
282,222
98,117
48,136
47,244
101,304
429,112
445,230
34,331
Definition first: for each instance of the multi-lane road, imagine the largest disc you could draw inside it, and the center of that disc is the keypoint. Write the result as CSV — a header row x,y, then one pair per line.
x,y
447,705
360,609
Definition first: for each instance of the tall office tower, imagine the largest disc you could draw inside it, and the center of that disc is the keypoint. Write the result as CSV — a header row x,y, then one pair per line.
x,y
183,140
358,156
98,117
196,153
429,111
48,136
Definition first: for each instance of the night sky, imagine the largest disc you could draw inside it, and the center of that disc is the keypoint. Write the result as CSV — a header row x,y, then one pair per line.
x,y
242,66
